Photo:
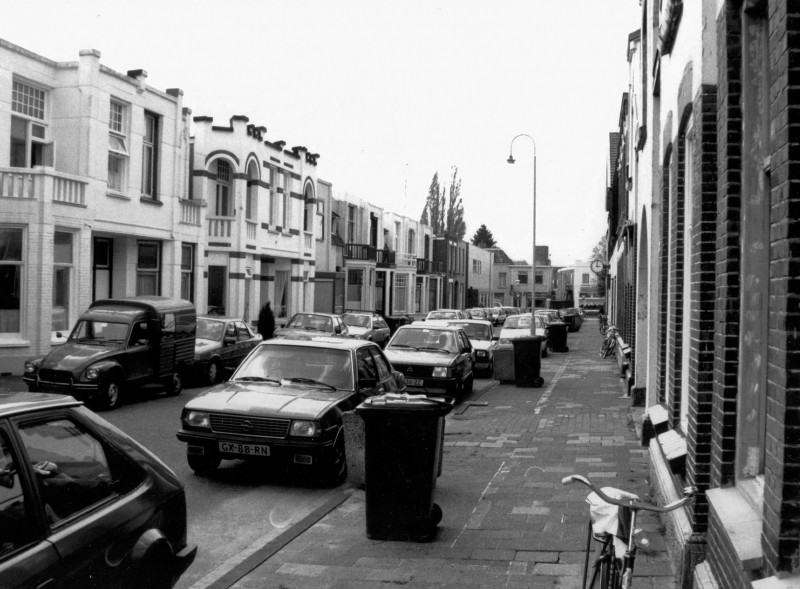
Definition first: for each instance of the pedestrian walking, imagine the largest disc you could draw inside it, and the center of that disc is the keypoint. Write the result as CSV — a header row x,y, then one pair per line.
x,y
266,322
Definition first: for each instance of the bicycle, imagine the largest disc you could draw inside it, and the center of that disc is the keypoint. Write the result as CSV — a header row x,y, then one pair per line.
x,y
612,522
603,323
610,342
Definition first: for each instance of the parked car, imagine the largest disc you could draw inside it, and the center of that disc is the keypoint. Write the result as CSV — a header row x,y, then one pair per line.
x,y
284,404
549,316
433,358
313,325
81,503
478,313
368,326
520,326
573,317
446,314
479,332
222,343
116,345
498,315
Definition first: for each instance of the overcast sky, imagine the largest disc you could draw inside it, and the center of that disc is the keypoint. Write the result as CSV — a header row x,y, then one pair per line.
x,y
390,92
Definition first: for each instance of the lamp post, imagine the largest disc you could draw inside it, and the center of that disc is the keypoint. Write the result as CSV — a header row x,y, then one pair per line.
x,y
511,160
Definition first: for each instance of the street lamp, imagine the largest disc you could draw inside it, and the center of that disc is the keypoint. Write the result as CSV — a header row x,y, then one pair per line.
x,y
511,160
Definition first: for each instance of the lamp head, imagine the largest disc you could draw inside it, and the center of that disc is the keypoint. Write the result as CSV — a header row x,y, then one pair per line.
x,y
511,159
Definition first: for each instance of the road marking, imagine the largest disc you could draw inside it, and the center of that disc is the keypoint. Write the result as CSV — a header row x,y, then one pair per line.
x,y
543,401
483,507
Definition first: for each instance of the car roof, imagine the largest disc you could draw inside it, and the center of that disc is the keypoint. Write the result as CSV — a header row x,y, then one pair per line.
x,y
147,303
16,403
426,325
367,313
220,318
315,313
475,321
320,341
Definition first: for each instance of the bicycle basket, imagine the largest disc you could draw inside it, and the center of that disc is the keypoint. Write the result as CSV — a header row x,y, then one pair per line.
x,y
611,519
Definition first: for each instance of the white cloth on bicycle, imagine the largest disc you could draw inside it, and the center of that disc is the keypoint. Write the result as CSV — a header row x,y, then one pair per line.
x,y
605,516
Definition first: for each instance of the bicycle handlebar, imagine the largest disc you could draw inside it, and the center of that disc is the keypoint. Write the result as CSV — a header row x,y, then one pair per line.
x,y
689,494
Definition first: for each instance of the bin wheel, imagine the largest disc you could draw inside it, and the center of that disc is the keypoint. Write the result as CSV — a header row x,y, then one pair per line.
x,y
538,382
468,385
204,464
436,514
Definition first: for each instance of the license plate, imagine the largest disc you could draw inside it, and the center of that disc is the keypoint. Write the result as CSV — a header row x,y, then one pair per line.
x,y
414,382
243,449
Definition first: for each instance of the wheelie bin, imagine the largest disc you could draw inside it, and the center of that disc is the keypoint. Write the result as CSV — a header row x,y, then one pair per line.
x,y
557,334
528,361
402,453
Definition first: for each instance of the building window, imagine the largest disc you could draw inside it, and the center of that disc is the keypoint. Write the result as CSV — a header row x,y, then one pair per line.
x,y
10,279
148,264
502,279
355,280
476,266
401,293
62,276
412,241
29,144
117,146
308,208
282,293
321,217
223,203
523,278
251,206
187,272
285,218
351,224
539,278
584,278
102,265
273,197
150,156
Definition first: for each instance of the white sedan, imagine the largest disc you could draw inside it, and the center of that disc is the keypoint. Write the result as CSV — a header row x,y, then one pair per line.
x,y
519,326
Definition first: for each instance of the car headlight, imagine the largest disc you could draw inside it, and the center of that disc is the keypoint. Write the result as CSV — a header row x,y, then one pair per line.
x,y
305,429
441,372
31,367
197,419
91,374
482,353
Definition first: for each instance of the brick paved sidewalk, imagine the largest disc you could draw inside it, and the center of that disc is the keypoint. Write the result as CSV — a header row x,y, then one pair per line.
x,y
508,521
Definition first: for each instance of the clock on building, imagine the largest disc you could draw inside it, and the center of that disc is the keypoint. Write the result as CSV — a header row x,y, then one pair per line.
x,y
597,266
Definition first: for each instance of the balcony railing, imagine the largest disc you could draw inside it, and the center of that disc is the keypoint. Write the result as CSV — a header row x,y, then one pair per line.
x,y
190,212
429,267
251,230
42,183
360,251
219,227
386,258
308,241
406,260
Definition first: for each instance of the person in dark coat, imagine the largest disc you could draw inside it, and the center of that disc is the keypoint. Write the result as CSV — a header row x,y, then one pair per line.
x,y
266,322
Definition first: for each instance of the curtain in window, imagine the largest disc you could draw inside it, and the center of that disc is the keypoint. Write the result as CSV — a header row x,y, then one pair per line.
x,y
281,292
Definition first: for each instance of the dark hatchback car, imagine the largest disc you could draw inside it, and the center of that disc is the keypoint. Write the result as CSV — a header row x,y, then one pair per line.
x,y
433,358
284,404
222,343
313,325
81,503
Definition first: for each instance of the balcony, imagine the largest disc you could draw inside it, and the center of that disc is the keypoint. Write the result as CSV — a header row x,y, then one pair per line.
x,y
190,212
360,251
386,258
41,184
406,261
429,267
220,226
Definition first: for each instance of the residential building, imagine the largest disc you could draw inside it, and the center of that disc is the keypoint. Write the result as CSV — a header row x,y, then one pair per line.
x,y
363,234
93,186
576,284
480,268
329,277
452,255
501,283
703,272
430,273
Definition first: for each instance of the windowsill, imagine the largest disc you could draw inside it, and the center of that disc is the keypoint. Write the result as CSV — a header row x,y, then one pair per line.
x,y
12,342
118,195
753,491
742,524
274,231
151,201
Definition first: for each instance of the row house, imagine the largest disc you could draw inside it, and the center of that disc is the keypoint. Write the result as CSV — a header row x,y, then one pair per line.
x,y
452,255
576,285
259,216
93,173
481,291
501,283
703,275
329,278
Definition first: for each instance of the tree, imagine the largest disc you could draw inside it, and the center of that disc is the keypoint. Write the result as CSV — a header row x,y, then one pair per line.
x,y
483,238
445,215
432,214
455,228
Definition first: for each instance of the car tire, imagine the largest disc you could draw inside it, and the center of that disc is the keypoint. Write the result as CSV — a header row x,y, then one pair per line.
x,y
204,464
175,384
544,352
467,387
111,394
212,373
335,471
154,571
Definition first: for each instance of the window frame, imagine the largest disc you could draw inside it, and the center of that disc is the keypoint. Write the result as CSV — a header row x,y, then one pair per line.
x,y
38,145
150,155
116,181
142,272
188,273
20,278
69,268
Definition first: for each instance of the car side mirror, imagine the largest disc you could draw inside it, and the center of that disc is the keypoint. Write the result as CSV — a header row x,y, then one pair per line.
x,y
400,380
227,340
367,383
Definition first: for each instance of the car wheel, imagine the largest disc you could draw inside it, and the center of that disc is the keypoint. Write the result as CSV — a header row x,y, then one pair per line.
x,y
204,464
468,384
544,352
111,395
212,373
175,384
154,571
335,471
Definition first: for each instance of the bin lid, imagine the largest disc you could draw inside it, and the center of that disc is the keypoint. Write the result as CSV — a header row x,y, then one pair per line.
x,y
440,404
528,338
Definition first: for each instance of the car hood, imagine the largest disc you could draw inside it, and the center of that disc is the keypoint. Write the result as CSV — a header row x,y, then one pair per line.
x,y
357,330
480,344
202,345
74,357
290,332
402,356
268,400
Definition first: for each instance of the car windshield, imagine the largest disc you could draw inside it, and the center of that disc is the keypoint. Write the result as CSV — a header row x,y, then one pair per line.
x,y
209,328
88,331
356,320
311,322
425,339
442,315
475,330
283,363
478,312
518,322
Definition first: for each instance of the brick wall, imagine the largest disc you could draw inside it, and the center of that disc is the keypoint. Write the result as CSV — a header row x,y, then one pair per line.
x,y
722,558
675,269
661,369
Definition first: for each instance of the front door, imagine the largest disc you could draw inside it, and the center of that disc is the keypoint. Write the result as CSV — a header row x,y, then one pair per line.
x,y
216,287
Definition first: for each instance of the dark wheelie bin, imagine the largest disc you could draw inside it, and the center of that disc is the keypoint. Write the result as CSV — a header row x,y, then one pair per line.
x,y
557,334
402,452
528,361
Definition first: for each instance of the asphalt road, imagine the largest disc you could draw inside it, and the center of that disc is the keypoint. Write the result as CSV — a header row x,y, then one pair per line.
x,y
230,514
